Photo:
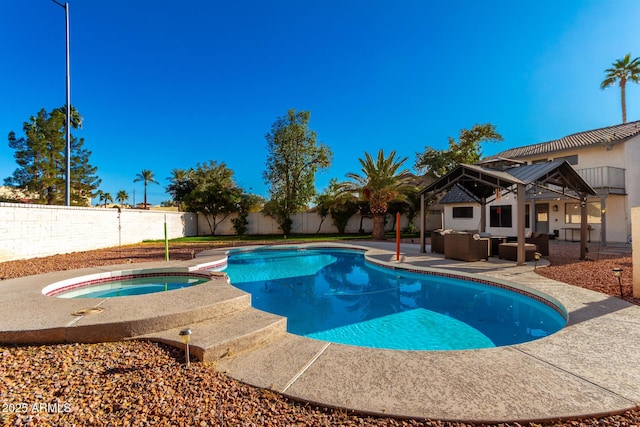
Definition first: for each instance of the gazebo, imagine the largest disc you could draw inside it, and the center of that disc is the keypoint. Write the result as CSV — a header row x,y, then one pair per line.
x,y
484,181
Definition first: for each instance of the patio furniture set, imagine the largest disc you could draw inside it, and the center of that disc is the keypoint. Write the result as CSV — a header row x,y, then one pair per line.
x,y
470,246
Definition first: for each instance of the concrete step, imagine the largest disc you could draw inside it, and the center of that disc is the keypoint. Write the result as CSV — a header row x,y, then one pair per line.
x,y
234,333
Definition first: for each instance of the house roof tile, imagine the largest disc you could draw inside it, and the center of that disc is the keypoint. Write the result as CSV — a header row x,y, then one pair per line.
x,y
604,136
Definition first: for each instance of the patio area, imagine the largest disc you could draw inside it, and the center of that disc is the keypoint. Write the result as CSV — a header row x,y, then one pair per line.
x,y
588,368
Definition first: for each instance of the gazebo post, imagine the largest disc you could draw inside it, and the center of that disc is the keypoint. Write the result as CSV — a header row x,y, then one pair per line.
x,y
583,227
423,225
521,223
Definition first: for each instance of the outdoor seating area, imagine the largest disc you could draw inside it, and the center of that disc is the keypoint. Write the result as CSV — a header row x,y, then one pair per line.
x,y
472,246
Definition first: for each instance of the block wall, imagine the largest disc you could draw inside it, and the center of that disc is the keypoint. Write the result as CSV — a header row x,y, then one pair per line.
x,y
30,231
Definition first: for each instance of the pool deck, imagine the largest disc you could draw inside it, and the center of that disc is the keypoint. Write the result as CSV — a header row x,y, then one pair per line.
x,y
591,367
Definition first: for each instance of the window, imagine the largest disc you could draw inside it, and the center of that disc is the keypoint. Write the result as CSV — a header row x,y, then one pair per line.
x,y
463,212
572,213
573,160
500,216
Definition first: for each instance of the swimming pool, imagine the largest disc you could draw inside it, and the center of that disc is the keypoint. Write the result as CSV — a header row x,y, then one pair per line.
x,y
335,295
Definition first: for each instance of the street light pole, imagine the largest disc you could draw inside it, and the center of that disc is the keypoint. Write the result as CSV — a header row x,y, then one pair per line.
x,y
67,194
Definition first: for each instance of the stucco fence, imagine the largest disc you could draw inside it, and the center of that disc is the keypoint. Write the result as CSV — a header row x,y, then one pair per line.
x,y
31,231
307,223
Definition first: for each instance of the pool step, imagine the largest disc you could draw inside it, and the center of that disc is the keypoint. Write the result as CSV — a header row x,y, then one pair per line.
x,y
225,336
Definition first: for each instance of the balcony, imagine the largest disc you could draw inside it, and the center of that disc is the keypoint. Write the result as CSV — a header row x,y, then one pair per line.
x,y
604,179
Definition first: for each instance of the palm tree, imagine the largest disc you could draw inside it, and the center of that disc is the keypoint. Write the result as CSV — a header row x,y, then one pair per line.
x,y
147,176
381,181
100,196
106,197
122,197
623,70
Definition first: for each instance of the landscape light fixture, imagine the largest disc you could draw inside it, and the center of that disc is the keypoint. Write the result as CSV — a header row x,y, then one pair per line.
x,y
67,194
617,272
185,336
536,256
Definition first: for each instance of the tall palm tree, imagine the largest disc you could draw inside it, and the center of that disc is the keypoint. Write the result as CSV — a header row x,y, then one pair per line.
x,y
148,177
100,195
122,197
380,182
623,71
106,198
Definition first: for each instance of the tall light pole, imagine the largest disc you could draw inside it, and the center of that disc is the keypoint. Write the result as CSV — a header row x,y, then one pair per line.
x,y
67,193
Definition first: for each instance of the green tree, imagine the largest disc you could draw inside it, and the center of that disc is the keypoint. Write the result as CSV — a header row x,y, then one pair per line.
x,y
294,157
380,182
122,197
41,157
214,194
181,183
624,70
148,177
342,206
409,205
436,163
247,203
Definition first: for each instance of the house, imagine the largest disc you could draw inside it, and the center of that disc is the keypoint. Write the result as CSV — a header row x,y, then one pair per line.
x,y
605,158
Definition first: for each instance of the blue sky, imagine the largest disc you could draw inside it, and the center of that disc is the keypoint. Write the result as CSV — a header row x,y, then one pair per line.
x,y
168,84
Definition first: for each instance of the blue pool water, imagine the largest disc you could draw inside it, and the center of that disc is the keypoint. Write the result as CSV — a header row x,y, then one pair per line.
x,y
135,286
334,295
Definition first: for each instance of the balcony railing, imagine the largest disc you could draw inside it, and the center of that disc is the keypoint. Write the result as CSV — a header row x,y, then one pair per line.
x,y
604,179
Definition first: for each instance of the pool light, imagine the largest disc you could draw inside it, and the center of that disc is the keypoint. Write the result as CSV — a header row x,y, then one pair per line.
x,y
185,336
617,272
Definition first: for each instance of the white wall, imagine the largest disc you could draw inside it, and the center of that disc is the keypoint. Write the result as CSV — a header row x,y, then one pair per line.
x,y
468,224
632,172
29,231
302,223
617,217
306,223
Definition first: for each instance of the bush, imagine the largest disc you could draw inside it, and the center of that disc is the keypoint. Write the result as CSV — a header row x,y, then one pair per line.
x,y
240,224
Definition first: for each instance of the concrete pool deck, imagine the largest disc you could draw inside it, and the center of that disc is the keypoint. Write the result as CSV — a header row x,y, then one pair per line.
x,y
590,367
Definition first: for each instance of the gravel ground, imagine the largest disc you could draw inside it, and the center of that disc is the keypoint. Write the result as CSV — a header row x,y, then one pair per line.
x,y
141,383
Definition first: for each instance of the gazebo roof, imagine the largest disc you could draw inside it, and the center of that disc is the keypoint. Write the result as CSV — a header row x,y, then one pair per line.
x,y
481,182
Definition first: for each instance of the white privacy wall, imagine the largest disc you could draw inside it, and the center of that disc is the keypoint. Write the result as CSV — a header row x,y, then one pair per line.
x,y
308,223
29,231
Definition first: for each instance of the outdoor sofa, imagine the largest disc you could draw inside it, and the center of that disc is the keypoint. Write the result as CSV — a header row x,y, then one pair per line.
x,y
509,251
541,240
437,241
466,246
